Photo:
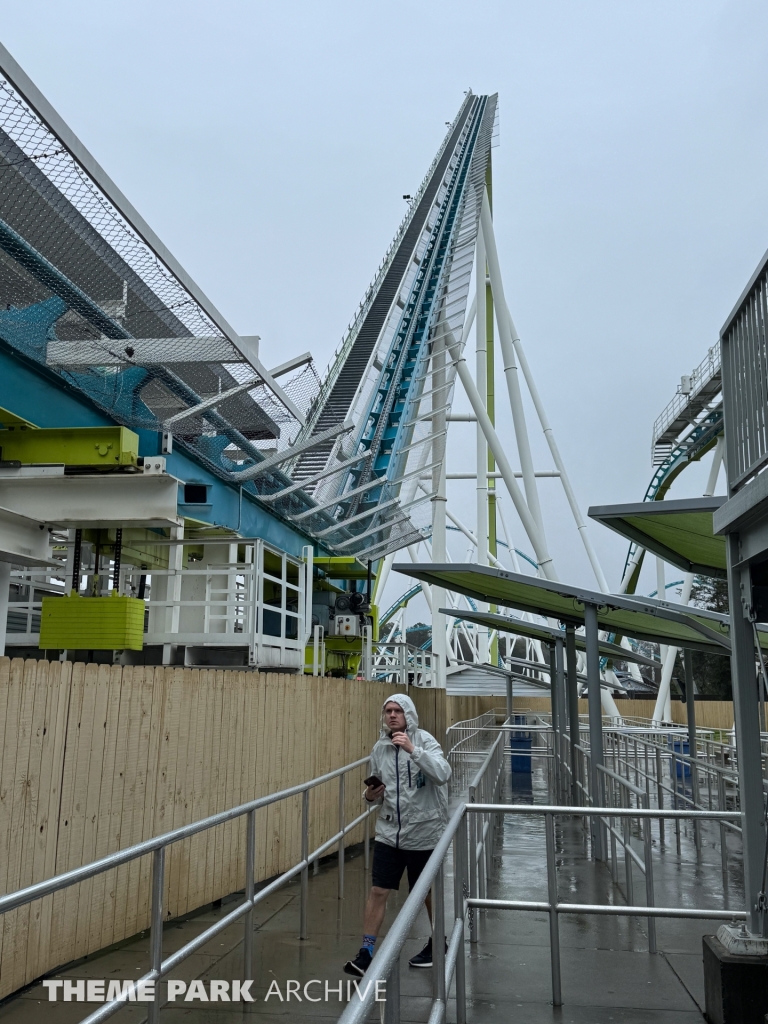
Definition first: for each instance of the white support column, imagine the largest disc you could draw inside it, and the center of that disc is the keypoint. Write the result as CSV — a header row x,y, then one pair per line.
x,y
609,705
439,541
490,560
508,538
481,445
173,591
631,566
308,553
381,580
368,652
510,366
663,710
529,525
557,458
425,587
5,585
714,469
318,642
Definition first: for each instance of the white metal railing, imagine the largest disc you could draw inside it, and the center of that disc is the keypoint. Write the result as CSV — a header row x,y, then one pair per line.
x,y
400,663
707,369
651,769
257,604
468,743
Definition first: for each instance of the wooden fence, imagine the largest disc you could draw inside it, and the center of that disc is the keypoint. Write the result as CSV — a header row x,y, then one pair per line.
x,y
95,758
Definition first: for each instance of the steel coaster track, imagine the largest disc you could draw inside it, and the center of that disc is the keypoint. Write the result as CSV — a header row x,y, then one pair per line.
x,y
403,373
348,368
702,439
408,349
386,429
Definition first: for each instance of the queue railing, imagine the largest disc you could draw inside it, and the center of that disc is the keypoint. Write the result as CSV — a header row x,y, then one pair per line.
x,y
159,966
459,840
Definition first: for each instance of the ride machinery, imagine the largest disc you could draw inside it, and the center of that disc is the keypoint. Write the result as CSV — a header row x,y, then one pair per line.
x,y
166,497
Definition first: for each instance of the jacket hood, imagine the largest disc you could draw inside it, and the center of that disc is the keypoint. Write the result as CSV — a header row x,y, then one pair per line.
x,y
411,715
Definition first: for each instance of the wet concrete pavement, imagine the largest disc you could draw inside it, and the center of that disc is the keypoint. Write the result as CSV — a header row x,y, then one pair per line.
x,y
607,973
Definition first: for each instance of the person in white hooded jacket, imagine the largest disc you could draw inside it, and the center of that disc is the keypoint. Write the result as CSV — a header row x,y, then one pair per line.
x,y
410,777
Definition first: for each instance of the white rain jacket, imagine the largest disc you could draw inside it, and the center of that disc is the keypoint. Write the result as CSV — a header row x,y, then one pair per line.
x,y
414,806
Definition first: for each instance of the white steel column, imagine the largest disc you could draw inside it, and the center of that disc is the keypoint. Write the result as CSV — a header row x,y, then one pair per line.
x,y
508,538
425,587
481,445
557,458
510,366
173,590
308,554
439,543
381,580
529,525
662,699
662,710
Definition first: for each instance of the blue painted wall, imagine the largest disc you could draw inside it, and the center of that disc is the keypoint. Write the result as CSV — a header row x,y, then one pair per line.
x,y
44,400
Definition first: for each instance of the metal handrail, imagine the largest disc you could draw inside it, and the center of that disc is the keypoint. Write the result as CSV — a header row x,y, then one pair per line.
x,y
471,833
708,368
345,345
385,965
157,846
661,754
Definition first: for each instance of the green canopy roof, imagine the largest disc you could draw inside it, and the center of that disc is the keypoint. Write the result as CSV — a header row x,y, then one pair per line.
x,y
643,618
547,634
679,531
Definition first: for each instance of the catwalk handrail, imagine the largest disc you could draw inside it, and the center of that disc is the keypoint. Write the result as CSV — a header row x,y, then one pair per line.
x,y
159,968
385,964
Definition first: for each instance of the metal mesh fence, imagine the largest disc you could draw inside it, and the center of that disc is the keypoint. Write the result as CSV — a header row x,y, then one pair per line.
x,y
85,295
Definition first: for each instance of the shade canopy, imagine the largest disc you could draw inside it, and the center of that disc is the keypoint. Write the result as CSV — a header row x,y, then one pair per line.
x,y
546,634
642,618
680,532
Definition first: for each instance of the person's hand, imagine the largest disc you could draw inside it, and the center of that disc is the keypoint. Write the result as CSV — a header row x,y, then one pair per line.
x,y
374,792
400,739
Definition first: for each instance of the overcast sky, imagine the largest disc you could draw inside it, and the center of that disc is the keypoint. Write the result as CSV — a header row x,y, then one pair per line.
x,y
269,145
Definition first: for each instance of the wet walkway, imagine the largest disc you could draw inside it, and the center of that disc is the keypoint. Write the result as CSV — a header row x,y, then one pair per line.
x,y
607,973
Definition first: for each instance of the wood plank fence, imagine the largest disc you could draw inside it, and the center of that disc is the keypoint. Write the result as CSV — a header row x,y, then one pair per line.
x,y
95,758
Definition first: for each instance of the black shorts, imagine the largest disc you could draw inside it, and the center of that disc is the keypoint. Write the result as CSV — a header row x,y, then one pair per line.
x,y
389,863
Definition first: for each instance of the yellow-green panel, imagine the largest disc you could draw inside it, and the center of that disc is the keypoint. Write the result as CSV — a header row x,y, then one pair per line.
x,y
92,623
344,567
73,446
11,419
689,534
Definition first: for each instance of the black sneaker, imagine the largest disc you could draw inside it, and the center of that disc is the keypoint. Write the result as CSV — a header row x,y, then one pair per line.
x,y
362,962
424,958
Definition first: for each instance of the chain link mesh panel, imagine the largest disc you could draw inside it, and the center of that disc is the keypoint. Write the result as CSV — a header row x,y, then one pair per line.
x,y
83,294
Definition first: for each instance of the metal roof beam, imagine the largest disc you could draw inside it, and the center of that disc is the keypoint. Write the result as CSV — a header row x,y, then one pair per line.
x,y
340,499
85,352
20,81
275,460
314,479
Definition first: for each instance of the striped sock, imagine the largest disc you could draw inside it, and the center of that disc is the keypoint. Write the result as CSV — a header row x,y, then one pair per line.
x,y
369,941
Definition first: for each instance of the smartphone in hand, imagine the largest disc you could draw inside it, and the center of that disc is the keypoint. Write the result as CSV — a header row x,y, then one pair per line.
x,y
373,781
